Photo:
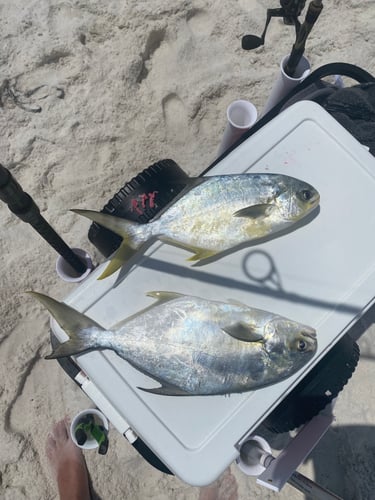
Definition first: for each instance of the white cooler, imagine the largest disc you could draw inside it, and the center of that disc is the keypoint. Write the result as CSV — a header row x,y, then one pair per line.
x,y
322,274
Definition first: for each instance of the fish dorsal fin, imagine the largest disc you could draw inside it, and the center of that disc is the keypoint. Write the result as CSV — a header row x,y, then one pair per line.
x,y
255,211
243,331
190,182
236,302
162,296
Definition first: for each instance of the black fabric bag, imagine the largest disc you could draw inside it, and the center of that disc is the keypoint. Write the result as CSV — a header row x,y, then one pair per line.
x,y
353,107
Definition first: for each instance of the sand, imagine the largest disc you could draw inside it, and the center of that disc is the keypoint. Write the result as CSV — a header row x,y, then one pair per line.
x,y
122,85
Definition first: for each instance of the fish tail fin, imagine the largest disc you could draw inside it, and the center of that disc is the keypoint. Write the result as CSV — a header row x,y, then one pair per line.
x,y
132,233
122,255
80,328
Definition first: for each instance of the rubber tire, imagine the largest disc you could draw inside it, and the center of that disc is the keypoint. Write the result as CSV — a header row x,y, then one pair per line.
x,y
165,178
317,389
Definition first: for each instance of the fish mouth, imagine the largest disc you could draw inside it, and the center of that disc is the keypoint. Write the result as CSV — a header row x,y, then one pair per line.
x,y
315,200
310,335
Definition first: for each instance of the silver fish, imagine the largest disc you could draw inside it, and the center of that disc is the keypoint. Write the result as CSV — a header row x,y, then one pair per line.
x,y
215,214
194,346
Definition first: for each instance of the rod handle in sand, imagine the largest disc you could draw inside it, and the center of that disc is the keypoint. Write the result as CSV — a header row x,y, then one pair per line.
x,y
24,207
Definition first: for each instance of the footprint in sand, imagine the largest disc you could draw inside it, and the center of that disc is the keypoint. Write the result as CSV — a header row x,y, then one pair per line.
x,y
153,42
175,118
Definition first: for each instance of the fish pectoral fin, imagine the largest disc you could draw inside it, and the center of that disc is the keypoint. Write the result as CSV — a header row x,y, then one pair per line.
x,y
255,211
243,331
166,390
163,296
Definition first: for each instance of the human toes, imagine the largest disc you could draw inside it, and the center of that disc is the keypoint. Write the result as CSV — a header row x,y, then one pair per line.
x,y
60,431
50,445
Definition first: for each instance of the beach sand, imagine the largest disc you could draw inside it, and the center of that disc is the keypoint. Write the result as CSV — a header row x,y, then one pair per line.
x,y
122,85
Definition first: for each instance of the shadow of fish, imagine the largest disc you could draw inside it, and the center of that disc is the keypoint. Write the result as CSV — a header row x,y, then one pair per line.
x,y
193,346
215,214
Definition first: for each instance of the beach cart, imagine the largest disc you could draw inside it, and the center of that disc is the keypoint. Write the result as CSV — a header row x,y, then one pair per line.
x,y
321,274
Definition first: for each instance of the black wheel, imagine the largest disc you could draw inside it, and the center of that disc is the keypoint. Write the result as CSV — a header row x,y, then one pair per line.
x,y
317,389
139,200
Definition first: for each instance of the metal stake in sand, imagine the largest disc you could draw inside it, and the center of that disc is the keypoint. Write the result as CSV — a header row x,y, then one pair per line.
x,y
23,206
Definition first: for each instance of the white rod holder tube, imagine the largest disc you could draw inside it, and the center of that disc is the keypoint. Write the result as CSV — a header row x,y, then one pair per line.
x,y
67,273
285,83
241,116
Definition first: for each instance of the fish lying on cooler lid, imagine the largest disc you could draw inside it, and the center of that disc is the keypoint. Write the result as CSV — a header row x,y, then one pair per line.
x,y
216,214
193,346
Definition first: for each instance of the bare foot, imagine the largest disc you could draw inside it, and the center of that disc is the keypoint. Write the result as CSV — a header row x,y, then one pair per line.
x,y
67,463
224,488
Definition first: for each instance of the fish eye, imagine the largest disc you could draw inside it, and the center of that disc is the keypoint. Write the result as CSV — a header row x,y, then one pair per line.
x,y
301,345
306,194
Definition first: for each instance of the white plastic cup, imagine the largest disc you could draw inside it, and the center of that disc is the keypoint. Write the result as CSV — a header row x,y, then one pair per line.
x,y
67,273
99,418
285,83
241,116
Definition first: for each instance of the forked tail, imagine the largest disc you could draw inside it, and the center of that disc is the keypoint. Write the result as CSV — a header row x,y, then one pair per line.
x,y
84,333
132,233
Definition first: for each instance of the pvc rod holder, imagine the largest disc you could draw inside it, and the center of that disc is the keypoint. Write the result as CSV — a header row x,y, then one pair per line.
x,y
241,116
284,83
67,273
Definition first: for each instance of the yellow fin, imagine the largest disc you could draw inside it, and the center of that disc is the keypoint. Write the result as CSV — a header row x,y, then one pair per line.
x,y
164,296
255,211
122,255
200,254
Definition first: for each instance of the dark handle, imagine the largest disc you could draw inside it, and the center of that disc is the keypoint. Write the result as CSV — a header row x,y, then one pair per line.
x,y
313,12
23,206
